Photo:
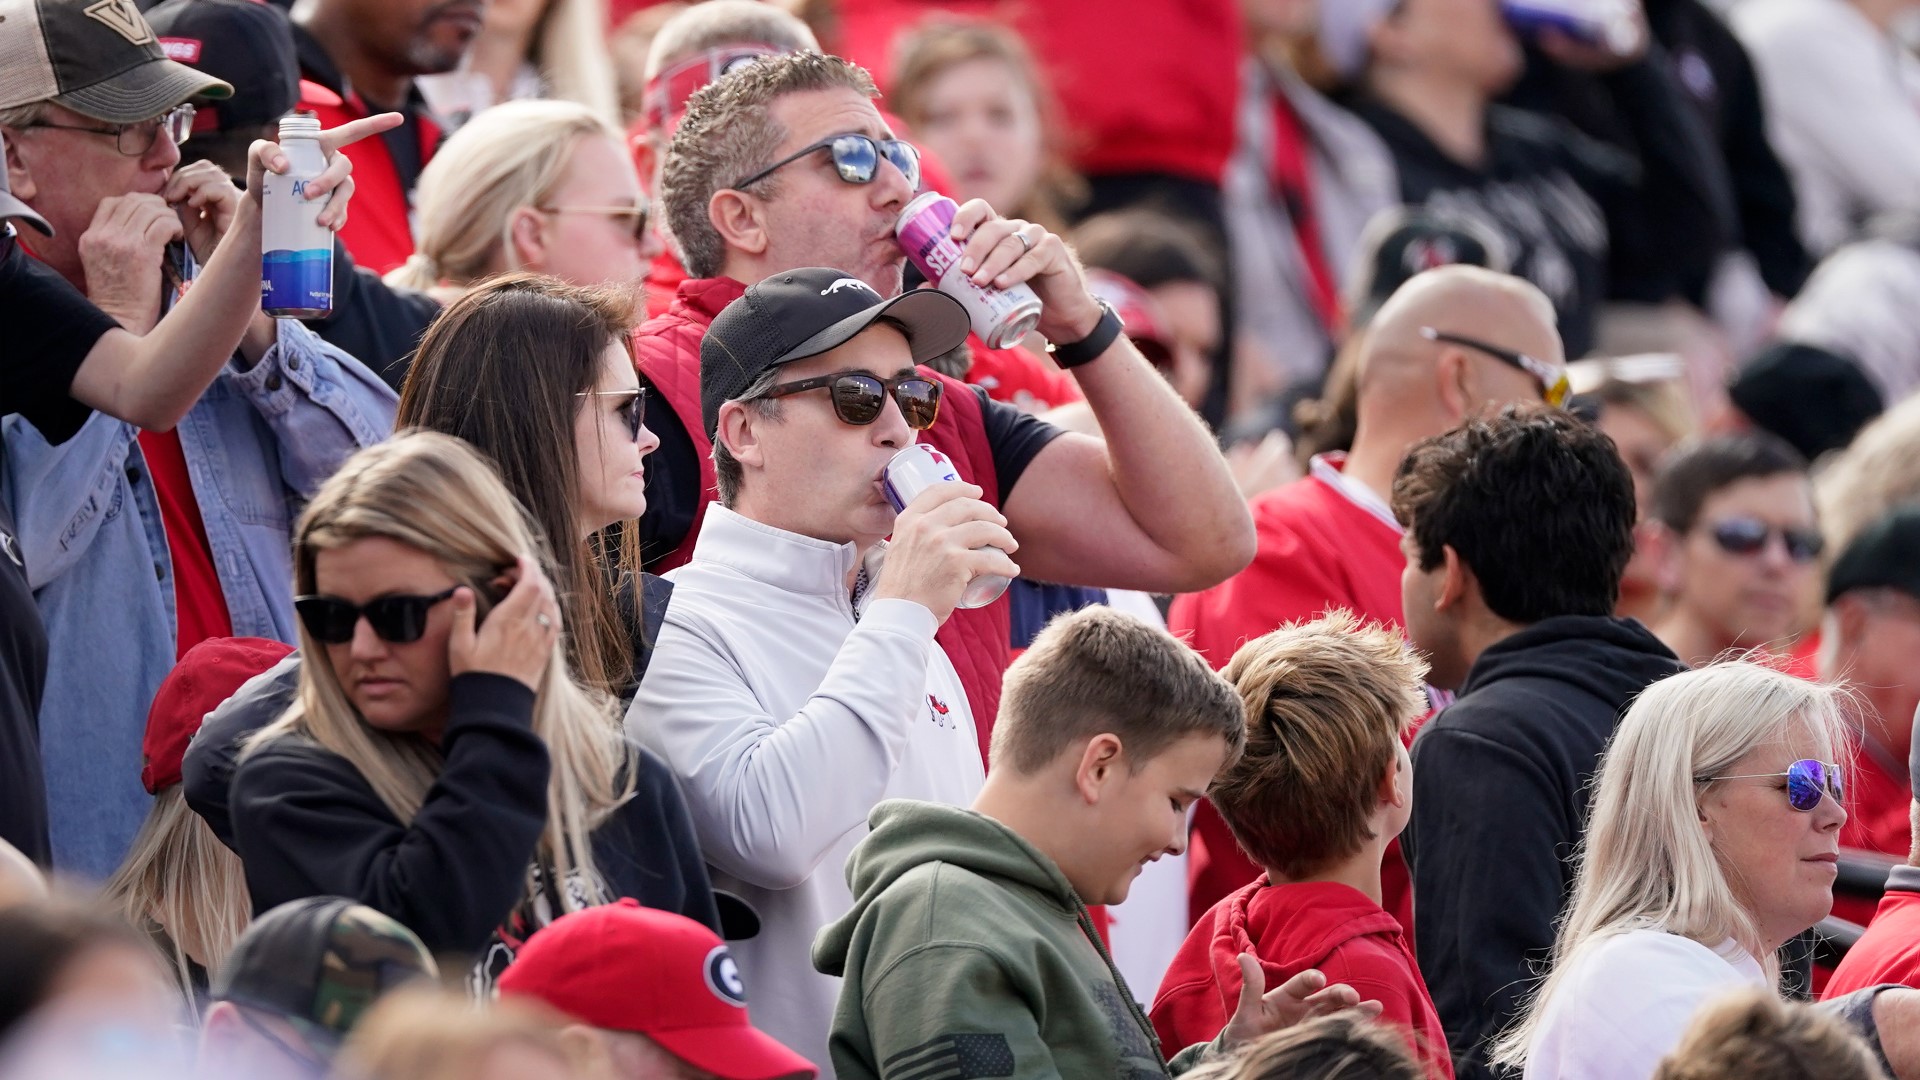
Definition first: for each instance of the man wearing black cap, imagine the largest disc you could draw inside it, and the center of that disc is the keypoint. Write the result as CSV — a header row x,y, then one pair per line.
x,y
92,131
797,682
297,982
1871,639
250,46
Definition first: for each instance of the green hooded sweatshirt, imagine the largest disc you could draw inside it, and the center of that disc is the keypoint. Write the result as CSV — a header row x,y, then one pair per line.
x,y
967,954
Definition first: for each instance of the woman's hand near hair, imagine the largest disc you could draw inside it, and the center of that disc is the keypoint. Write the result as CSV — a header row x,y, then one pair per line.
x,y
516,638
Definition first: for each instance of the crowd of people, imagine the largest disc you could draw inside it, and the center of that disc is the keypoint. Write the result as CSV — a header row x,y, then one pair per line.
x,y
1456,481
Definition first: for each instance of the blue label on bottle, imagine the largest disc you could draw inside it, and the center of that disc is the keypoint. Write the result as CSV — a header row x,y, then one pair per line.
x,y
297,280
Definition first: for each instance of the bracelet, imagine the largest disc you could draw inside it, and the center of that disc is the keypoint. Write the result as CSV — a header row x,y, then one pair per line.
x,y
1094,345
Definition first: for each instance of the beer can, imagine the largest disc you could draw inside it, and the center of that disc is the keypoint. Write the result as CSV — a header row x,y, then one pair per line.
x,y
913,471
1609,24
1000,316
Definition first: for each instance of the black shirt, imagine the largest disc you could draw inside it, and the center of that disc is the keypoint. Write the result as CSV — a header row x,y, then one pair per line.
x,y
50,328
673,471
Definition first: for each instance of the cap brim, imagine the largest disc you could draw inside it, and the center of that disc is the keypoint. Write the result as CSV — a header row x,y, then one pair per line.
x,y
143,92
12,207
936,324
734,1053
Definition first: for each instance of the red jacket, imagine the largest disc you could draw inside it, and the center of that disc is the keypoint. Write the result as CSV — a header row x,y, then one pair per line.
x,y
667,351
1146,85
1290,928
379,231
1317,550
1889,952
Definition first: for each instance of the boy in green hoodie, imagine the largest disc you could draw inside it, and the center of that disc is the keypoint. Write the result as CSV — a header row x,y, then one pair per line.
x,y
968,951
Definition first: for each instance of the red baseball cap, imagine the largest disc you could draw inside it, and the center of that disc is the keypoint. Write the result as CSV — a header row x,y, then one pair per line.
x,y
208,675
624,967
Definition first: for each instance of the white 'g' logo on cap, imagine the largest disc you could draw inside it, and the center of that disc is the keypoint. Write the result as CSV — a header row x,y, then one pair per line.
x,y
723,977
847,283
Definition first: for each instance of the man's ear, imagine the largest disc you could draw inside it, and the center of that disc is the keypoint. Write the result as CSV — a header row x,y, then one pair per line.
x,y
1456,578
740,219
19,177
646,160
586,1050
738,428
1849,622
527,235
1101,761
1451,374
1667,551
1396,784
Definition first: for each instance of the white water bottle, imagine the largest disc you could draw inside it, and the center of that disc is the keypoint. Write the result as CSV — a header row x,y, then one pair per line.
x,y
296,262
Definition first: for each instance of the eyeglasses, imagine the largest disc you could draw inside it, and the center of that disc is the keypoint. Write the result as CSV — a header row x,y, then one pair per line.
x,y
396,619
1808,781
640,215
1749,536
856,158
858,397
633,410
1552,378
134,140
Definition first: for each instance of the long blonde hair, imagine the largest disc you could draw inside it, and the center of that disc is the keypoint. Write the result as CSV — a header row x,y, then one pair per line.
x,y
434,493
1645,863
180,879
508,157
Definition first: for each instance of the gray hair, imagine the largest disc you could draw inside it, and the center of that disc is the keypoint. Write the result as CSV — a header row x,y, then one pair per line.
x,y
727,473
729,132
24,115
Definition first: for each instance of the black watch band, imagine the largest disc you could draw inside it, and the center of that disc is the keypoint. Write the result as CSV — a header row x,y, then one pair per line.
x,y
1094,345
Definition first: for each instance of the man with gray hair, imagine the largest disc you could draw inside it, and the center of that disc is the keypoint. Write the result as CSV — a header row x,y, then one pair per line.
x,y
787,163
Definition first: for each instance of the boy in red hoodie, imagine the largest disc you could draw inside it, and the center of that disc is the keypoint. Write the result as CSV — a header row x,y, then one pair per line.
x,y
1323,786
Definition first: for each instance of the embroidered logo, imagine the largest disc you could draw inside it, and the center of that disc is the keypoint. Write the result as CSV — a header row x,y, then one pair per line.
x,y
847,283
938,712
185,50
723,977
123,18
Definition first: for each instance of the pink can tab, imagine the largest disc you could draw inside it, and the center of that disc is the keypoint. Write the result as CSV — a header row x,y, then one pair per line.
x,y
913,471
1000,316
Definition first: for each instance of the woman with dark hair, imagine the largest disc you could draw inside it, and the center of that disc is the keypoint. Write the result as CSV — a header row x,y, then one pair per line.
x,y
504,368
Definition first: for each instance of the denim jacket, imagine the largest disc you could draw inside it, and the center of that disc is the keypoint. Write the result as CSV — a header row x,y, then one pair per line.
x,y
257,443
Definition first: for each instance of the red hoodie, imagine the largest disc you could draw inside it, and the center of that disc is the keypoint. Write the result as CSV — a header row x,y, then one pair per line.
x,y
1291,928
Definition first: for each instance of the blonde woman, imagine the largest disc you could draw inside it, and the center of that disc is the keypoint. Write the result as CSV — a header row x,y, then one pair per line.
x,y
179,882
1714,838
440,763
529,185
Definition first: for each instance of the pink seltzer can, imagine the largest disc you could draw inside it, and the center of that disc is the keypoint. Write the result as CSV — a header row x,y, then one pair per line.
x,y
913,471
1000,316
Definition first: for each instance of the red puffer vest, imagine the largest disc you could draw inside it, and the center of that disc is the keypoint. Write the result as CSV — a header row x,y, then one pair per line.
x,y
667,351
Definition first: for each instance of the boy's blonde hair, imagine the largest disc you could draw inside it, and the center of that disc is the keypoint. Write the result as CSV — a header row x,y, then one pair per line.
x,y
1326,705
1753,1035
1097,671
1338,1047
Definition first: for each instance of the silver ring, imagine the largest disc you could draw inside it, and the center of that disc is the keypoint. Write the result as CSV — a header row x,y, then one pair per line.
x,y
1024,242
543,620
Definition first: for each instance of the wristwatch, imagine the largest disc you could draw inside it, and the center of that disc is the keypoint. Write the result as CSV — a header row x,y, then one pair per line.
x,y
1094,345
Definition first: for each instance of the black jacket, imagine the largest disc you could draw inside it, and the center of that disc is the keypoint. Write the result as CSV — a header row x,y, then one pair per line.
x,y
1500,801
306,823
377,323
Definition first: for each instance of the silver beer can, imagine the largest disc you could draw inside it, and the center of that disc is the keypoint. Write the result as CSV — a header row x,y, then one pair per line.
x,y
913,471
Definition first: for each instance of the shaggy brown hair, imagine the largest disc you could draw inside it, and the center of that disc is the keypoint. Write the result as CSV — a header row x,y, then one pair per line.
x,y
1753,1035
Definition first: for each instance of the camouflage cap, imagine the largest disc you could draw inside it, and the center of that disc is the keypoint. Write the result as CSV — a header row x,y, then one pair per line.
x,y
321,963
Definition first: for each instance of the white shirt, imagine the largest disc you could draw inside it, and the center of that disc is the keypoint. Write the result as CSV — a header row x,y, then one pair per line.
x,y
787,720
1626,999
1843,111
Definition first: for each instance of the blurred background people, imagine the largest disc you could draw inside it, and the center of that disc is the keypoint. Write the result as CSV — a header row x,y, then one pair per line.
x,y
531,49
426,1034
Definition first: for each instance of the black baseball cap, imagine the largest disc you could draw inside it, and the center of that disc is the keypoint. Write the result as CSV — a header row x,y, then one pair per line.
x,y
1814,398
320,964
98,58
800,313
244,43
1406,241
1886,555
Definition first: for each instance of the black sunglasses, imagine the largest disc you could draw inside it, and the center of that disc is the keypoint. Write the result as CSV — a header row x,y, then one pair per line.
x,y
858,397
633,410
856,158
1749,536
396,619
1554,385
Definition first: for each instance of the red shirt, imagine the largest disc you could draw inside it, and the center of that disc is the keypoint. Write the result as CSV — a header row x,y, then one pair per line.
x,y
1290,928
1318,549
1889,952
1146,85
200,608
379,231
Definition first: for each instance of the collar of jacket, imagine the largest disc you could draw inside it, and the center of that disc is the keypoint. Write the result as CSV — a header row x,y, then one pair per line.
x,y
784,560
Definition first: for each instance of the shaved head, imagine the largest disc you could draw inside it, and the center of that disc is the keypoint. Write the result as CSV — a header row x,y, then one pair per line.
x,y
1471,301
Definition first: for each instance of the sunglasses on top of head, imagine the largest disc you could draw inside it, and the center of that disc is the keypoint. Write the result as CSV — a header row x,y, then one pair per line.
x,y
633,411
1749,536
856,159
398,619
1554,385
858,397
1808,781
